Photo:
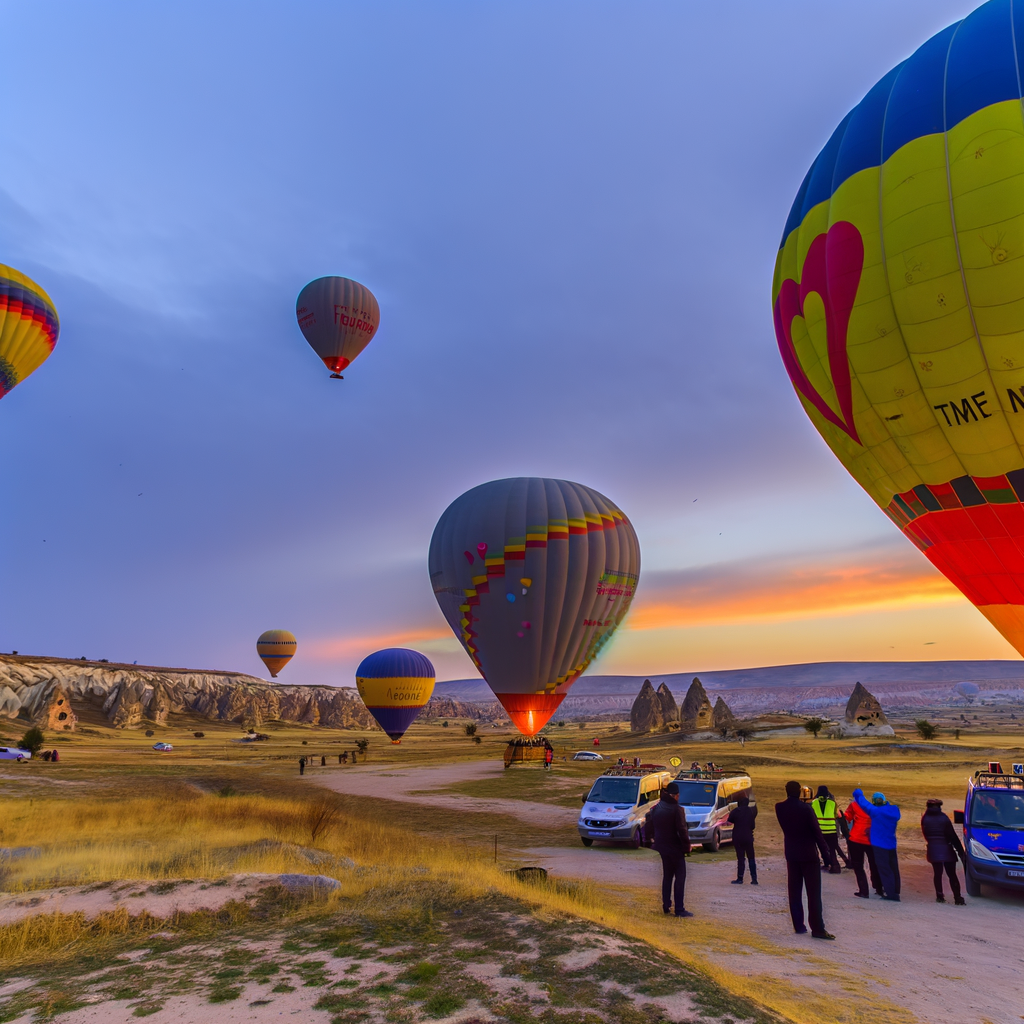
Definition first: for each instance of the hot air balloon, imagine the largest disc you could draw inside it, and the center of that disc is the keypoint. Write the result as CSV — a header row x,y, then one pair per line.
x,y
533,576
395,684
899,303
276,647
338,317
28,327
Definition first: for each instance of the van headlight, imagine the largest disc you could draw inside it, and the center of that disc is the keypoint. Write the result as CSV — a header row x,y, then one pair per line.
x,y
980,853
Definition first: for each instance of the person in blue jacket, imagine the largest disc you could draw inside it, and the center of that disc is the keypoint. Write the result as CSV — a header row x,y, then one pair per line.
x,y
884,817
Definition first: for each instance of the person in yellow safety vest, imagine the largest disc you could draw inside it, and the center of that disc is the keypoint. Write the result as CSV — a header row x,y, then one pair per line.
x,y
825,809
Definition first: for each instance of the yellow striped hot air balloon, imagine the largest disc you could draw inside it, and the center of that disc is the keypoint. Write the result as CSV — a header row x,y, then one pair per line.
x,y
28,327
276,647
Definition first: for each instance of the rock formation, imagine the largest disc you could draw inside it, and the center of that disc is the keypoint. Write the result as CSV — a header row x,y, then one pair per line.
x,y
696,713
669,708
864,716
648,711
722,717
441,707
30,688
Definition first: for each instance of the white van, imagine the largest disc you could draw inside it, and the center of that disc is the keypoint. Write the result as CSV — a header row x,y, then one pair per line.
x,y
617,804
15,754
707,798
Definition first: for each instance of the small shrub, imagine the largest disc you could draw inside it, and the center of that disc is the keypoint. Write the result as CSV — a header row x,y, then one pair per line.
x,y
444,724
925,729
34,739
471,729
149,732
199,735
815,725
320,817
361,746
442,1004
476,739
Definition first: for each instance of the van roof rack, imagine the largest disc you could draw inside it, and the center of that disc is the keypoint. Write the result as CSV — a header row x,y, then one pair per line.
x,y
999,781
716,773
643,769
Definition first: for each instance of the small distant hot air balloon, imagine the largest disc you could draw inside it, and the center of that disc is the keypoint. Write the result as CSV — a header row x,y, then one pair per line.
x,y
276,647
395,684
554,571
338,317
28,327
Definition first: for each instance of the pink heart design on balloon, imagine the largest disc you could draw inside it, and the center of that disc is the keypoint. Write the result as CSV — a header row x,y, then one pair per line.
x,y
832,269
469,557
481,549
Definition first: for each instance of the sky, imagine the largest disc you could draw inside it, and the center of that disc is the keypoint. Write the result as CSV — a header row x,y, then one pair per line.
x,y
569,213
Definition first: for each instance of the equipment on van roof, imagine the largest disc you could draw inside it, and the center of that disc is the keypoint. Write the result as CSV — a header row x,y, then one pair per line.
x,y
634,770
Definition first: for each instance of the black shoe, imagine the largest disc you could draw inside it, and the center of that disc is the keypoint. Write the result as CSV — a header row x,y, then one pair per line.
x,y
863,895
668,910
959,901
835,871
737,881
822,935
683,913
753,881
940,898
892,899
800,931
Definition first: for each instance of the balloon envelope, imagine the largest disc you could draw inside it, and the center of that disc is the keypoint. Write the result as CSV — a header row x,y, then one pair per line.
x,y
533,576
395,684
28,327
967,689
276,647
338,317
899,303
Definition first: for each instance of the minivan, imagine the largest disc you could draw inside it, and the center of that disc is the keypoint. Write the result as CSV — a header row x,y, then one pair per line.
x,y
618,803
707,798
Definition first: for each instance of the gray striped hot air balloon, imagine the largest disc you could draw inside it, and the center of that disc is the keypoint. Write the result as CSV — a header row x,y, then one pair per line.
x,y
533,576
338,318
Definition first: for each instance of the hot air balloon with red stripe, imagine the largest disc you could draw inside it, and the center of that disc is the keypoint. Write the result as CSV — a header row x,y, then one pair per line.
x,y
28,327
338,317
533,576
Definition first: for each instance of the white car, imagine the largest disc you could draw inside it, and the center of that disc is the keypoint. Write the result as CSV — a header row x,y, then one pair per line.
x,y
587,755
162,746
14,754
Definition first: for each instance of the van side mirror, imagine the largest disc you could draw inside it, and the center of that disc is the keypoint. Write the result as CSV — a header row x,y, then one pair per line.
x,y
584,800
958,817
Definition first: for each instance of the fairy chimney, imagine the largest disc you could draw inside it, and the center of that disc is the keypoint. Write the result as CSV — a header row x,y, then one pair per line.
x,y
864,715
57,715
669,708
647,713
696,712
722,716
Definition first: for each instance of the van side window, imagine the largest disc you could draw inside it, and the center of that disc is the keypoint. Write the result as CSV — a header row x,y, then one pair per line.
x,y
644,798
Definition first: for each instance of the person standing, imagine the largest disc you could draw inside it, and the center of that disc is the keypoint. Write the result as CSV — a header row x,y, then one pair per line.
x,y
741,817
944,847
859,845
549,756
668,834
884,817
323,760
824,808
302,766
803,841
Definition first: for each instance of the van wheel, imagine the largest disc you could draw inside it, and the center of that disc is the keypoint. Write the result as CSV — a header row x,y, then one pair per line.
x,y
972,884
637,839
586,841
713,843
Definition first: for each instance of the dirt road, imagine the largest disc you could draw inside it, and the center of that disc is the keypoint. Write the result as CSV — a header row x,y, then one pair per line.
x,y
946,964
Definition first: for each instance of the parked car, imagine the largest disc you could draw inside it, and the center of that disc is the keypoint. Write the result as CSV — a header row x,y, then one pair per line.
x,y
587,755
162,746
616,807
15,754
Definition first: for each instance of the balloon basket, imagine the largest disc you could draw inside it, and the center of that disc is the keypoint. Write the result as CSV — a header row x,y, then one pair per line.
x,y
336,376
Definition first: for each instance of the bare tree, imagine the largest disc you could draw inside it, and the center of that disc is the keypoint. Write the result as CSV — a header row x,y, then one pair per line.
x,y
320,817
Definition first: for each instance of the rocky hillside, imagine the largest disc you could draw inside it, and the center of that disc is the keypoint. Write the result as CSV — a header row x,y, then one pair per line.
x,y
54,691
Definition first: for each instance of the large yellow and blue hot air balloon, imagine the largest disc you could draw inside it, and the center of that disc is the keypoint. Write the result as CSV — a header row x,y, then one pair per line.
x,y
276,647
28,327
395,684
899,303
533,576
338,317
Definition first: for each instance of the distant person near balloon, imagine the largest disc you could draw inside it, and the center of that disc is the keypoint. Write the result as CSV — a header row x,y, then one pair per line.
x,y
28,327
338,317
898,304
533,576
276,647
395,685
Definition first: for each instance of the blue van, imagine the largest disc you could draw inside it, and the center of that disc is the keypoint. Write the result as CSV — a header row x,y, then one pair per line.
x,y
993,822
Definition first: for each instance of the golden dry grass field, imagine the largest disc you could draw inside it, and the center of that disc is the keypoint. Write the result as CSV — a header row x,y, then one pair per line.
x,y
419,885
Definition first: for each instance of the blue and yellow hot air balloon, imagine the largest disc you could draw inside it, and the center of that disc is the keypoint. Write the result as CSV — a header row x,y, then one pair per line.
x,y
395,684
899,303
28,327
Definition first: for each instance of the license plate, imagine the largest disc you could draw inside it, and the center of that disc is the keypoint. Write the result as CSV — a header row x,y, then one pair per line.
x,y
600,833
1015,874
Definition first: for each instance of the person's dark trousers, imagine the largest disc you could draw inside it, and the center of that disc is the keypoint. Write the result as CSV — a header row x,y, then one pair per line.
x,y
839,850
858,851
673,869
876,879
832,842
888,865
745,849
801,875
954,882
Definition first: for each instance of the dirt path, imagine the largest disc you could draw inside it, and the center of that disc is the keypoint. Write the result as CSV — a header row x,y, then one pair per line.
x,y
946,964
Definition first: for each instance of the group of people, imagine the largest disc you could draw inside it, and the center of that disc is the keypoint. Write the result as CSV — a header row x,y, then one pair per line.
x,y
50,755
811,827
308,762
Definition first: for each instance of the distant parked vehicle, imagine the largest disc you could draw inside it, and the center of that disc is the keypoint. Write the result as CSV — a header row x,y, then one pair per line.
x,y
587,755
15,754
162,746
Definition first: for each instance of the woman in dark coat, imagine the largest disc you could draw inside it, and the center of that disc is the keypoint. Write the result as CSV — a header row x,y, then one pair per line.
x,y
944,847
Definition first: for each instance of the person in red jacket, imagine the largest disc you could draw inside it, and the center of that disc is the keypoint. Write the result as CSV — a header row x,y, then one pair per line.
x,y
859,845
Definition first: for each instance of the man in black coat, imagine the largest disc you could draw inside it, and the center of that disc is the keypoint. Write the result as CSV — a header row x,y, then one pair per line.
x,y
803,841
741,817
666,830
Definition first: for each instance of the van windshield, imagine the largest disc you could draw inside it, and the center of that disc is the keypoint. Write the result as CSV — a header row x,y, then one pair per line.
x,y
697,794
998,809
614,791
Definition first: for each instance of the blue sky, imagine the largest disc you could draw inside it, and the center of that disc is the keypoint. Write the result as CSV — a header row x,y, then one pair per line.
x,y
569,213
